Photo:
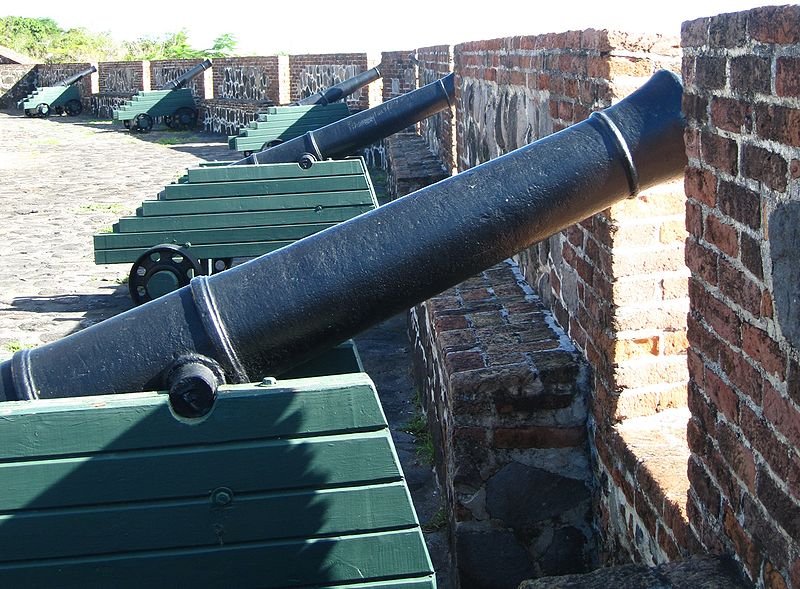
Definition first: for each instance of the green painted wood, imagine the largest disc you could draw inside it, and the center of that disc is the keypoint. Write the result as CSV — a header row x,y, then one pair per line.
x,y
263,187
287,122
263,233
202,252
275,110
363,557
274,171
81,425
342,359
244,219
428,582
195,522
256,203
53,95
246,467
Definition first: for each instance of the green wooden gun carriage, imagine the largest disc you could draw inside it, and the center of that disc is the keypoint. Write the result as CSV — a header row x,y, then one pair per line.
x,y
172,102
281,123
63,98
214,214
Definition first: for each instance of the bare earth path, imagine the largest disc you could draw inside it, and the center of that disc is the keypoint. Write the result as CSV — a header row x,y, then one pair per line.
x,y
62,180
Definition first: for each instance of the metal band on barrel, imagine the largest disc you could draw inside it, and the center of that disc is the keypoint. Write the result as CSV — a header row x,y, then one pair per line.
x,y
616,134
208,312
23,376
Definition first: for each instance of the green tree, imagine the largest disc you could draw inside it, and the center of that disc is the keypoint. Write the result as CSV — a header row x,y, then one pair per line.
x,y
176,46
43,40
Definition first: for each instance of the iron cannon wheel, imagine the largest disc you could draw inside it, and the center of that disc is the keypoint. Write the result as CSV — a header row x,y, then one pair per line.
x,y
184,118
73,108
168,120
126,123
43,109
160,270
59,110
216,265
142,123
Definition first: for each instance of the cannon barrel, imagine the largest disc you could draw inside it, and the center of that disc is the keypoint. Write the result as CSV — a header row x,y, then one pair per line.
x,y
273,312
181,80
342,89
360,129
75,77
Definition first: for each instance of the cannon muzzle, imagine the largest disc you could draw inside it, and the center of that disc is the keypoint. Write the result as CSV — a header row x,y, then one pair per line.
x,y
342,89
274,312
184,78
359,130
80,75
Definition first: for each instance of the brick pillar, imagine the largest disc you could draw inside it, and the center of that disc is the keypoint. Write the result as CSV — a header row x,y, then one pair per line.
x,y
741,73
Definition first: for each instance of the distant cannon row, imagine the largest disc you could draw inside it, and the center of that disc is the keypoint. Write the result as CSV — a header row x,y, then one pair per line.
x,y
175,104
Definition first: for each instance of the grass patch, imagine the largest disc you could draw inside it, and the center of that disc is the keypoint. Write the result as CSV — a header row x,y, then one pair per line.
x,y
15,346
102,207
438,521
418,427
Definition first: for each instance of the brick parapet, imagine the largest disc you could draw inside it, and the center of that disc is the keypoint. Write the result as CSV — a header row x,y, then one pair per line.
x,y
123,77
16,82
506,399
436,62
616,282
163,71
742,103
310,73
249,79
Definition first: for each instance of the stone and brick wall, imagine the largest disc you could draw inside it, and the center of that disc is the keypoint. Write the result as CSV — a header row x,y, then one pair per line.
x,y
242,86
399,73
742,102
615,282
16,82
51,74
436,62
117,82
166,70
314,72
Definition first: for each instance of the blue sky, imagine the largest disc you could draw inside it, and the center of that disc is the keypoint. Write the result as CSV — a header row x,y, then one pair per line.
x,y
311,26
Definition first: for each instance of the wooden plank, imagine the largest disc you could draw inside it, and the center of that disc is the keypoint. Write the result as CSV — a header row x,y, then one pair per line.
x,y
256,203
261,233
81,425
342,359
267,565
263,187
193,471
183,523
203,252
227,173
243,219
283,123
428,582
271,110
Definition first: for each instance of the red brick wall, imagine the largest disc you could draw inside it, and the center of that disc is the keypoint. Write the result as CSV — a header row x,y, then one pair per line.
x,y
255,79
314,72
399,73
166,70
742,103
615,282
436,62
123,77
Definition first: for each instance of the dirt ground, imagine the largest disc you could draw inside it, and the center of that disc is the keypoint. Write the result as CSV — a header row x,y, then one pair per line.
x,y
65,179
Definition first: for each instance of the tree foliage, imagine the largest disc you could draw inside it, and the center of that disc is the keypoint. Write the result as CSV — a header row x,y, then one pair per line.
x,y
43,40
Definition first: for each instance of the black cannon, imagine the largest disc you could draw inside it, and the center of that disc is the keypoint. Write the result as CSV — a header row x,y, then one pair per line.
x,y
172,101
342,89
277,124
265,316
360,129
184,78
64,97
